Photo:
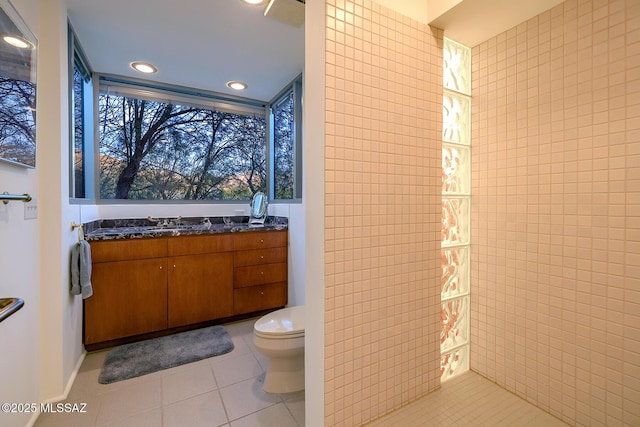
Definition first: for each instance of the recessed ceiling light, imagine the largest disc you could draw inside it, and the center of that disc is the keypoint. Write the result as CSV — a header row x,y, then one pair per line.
x,y
18,41
253,2
237,85
144,67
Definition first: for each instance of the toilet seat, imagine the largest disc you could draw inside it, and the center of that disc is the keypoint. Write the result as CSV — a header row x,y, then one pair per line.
x,y
286,323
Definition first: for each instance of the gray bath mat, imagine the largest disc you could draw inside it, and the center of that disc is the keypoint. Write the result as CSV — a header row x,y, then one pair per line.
x,y
144,357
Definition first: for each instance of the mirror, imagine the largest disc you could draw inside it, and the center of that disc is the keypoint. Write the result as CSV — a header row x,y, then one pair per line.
x,y
17,89
259,206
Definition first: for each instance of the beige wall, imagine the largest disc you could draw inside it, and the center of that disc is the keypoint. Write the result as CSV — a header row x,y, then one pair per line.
x,y
556,211
382,210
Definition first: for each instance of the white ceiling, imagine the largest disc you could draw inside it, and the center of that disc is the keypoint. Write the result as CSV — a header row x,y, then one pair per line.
x,y
199,44
472,22
203,44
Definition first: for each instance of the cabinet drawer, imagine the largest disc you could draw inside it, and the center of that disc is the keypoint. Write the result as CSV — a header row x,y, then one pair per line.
x,y
260,256
255,298
259,239
126,250
259,274
195,245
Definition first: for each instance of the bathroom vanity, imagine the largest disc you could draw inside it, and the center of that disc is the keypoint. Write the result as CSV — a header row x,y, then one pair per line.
x,y
150,280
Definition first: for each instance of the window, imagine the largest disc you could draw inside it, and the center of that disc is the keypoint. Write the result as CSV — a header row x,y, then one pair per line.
x,y
168,143
456,212
286,115
157,143
81,129
177,149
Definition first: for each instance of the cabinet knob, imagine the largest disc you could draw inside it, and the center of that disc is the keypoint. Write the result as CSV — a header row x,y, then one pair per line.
x,y
261,293
174,266
261,256
160,267
262,273
261,240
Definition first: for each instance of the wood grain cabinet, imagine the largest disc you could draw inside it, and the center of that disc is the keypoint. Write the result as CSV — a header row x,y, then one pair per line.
x,y
129,289
149,285
260,271
200,282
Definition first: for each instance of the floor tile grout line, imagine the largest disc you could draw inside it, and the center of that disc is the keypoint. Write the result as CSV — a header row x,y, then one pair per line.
x,y
255,412
224,407
290,413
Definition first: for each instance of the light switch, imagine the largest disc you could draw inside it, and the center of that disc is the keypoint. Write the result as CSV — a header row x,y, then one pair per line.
x,y
31,209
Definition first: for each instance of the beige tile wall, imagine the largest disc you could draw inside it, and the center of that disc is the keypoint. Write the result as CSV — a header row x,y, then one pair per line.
x,y
556,211
382,244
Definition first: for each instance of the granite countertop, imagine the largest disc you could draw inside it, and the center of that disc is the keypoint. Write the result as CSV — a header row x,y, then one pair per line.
x,y
136,228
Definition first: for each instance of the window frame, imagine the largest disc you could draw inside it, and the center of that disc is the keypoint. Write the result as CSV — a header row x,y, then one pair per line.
x,y
78,60
295,87
94,83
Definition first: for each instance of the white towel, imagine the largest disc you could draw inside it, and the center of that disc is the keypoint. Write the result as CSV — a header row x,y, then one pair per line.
x,y
81,269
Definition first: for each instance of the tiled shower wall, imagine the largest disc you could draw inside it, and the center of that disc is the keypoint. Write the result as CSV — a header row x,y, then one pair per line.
x,y
382,219
556,211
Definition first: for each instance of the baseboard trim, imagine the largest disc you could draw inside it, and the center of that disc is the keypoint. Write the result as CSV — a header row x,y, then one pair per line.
x,y
67,389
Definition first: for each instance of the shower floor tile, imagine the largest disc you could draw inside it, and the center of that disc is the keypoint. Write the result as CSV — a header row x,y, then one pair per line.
x,y
469,400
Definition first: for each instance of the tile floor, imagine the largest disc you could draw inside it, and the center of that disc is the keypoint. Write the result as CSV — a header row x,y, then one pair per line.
x,y
469,400
227,391
224,390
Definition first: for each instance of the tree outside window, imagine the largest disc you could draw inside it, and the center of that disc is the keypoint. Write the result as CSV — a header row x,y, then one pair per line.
x,y
284,143
151,150
17,120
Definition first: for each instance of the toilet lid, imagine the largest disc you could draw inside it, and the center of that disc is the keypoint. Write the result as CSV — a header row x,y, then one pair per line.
x,y
287,321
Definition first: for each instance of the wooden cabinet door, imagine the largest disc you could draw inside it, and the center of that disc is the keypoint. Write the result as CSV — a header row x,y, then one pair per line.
x,y
200,288
129,298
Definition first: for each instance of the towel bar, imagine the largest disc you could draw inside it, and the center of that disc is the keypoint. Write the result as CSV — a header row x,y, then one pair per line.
x,y
6,197
80,228
8,306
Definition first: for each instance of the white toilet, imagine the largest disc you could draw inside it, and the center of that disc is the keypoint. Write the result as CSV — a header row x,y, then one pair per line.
x,y
279,336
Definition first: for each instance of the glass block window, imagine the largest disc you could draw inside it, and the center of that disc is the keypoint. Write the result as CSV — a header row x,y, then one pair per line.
x,y
456,67
453,362
455,272
454,318
456,117
456,210
455,221
456,171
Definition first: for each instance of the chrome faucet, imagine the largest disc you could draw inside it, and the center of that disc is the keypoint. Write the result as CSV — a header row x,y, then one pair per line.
x,y
165,222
